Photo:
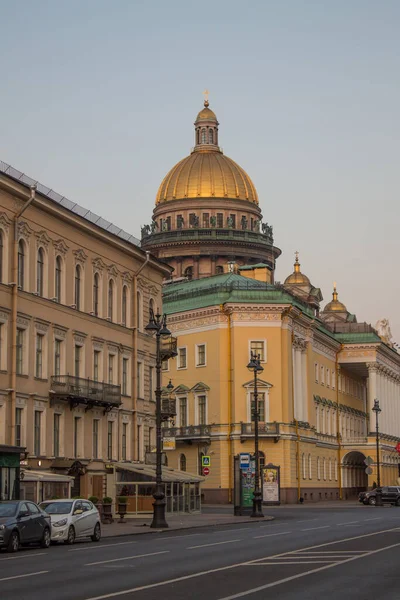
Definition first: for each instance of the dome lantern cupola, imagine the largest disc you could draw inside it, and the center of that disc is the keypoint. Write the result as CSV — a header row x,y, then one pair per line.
x,y
335,305
297,277
206,128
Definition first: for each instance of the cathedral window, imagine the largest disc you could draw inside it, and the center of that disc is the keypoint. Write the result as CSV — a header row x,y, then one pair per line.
x,y
189,272
203,136
206,220
219,270
211,136
220,220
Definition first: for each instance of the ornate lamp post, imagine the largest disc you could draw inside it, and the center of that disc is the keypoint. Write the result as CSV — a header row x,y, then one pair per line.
x,y
376,408
255,366
158,326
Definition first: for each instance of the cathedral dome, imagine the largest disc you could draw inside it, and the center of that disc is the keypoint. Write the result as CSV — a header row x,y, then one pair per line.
x,y
335,305
297,277
207,172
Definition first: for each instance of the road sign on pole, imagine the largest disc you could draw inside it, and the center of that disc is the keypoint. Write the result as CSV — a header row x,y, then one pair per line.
x,y
368,461
206,471
205,461
368,471
244,460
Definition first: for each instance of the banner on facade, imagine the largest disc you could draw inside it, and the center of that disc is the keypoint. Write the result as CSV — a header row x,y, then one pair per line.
x,y
169,443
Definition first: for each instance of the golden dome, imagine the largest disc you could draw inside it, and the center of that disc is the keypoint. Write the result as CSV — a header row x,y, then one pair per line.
x,y
206,114
297,277
334,305
207,173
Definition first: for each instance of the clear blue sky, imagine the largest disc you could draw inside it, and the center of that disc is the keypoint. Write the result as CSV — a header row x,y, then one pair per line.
x,y
98,100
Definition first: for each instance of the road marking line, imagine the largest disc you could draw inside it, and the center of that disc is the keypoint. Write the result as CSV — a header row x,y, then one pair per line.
x,y
348,523
312,528
271,524
24,575
307,520
103,562
333,552
374,519
94,547
177,537
30,555
258,537
227,568
215,544
303,562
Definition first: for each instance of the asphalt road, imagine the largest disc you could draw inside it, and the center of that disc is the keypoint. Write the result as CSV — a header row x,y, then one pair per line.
x,y
304,554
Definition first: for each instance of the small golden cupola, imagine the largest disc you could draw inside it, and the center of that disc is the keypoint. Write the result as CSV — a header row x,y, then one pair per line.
x,y
335,305
299,285
297,277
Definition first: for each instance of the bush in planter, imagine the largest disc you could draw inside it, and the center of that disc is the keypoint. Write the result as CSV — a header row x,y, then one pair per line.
x,y
122,500
93,499
107,500
107,509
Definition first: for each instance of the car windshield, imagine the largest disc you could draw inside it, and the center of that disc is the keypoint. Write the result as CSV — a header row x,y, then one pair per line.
x,y
8,510
57,508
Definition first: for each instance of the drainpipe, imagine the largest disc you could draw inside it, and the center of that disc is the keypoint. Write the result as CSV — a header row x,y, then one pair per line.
x,y
230,408
135,356
338,425
14,312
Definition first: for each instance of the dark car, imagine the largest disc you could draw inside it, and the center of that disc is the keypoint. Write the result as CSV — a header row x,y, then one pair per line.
x,y
23,522
390,495
361,496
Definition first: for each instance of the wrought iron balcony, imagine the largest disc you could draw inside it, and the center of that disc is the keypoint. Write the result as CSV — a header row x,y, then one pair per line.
x,y
169,347
189,434
265,430
77,390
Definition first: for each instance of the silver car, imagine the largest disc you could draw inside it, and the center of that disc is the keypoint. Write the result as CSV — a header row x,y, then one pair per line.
x,y
72,520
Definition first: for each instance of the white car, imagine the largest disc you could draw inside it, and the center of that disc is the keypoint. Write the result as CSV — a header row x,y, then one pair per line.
x,y
72,519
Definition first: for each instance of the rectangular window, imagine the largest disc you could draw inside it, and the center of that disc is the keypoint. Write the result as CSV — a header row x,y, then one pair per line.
x,y
37,432
316,372
57,357
257,347
76,436
322,375
202,407
20,351
165,365
328,378
56,435
179,222
139,380
95,438
220,220
96,364
151,383
77,361
110,440
18,426
125,376
206,220
111,368
192,219
124,431
333,380
39,356
183,412
182,358
232,221
261,407
201,355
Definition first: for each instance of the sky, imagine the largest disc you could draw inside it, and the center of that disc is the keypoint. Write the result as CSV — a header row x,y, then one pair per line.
x,y
98,100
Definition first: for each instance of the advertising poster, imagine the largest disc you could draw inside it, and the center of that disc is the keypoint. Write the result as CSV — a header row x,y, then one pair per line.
x,y
247,487
270,484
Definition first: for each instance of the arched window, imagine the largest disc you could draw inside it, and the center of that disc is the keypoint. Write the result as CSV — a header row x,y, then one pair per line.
x,y
198,136
111,299
211,136
21,264
1,255
182,462
78,282
96,287
124,305
58,275
40,271
309,466
203,136
189,273
139,311
219,270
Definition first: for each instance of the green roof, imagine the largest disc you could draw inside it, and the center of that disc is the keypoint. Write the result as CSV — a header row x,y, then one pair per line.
x,y
250,267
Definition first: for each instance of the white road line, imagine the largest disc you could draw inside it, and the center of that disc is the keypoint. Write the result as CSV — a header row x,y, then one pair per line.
x,y
258,537
227,568
374,519
313,528
103,562
24,575
307,520
95,546
177,537
348,523
299,575
215,544
302,562
317,553
274,523
30,555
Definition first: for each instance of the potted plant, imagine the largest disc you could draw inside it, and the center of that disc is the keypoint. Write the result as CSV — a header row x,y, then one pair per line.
x,y
122,508
93,499
107,509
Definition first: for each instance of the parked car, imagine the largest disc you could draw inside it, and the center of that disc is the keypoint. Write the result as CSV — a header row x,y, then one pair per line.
x,y
23,522
72,519
390,495
361,496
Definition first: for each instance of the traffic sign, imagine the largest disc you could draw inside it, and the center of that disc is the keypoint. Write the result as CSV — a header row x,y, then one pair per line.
x,y
398,448
244,460
205,461
368,461
206,471
368,471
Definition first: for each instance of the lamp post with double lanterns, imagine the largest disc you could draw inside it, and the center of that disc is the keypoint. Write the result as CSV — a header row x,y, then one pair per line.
x,y
377,409
158,325
255,367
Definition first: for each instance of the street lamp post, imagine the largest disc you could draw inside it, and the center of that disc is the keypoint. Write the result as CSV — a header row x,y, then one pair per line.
x,y
158,325
255,366
376,408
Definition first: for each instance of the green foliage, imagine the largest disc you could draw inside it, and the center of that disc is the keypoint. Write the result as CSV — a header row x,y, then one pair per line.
x,y
122,499
93,499
107,500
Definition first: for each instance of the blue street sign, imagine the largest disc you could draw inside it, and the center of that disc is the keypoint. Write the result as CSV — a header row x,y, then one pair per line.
x,y
244,460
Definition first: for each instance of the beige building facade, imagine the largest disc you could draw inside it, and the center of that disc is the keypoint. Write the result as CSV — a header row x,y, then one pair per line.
x,y
77,370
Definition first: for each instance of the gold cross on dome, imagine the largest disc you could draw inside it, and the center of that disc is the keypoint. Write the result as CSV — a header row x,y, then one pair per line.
x,y
297,255
205,94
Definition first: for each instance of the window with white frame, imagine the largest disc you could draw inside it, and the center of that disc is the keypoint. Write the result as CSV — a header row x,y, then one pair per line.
x,y
263,417
110,439
182,358
201,410
111,287
21,263
333,379
96,294
257,347
151,384
124,311
140,385
183,411
39,356
324,468
18,426
111,368
20,350
59,356
125,378
328,377
58,286
316,372
165,364
309,466
124,440
78,287
318,467
200,355
97,365
40,272
322,375
95,438
303,460
37,433
78,360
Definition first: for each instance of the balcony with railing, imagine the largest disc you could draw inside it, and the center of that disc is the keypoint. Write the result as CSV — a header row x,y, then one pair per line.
x,y
189,434
265,430
77,390
209,234
169,348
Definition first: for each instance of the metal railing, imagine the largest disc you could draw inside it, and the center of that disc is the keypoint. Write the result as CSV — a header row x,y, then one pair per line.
x,y
222,234
190,432
87,391
264,429
169,347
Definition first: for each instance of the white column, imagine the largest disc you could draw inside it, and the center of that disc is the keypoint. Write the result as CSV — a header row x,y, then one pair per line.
x,y
304,395
383,424
372,390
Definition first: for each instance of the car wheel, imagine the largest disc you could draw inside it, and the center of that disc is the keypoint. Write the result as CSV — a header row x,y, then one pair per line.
x,y
372,501
13,542
71,536
96,533
46,539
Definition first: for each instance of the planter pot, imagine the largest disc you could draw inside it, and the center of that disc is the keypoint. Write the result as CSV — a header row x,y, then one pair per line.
x,y
107,513
122,508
